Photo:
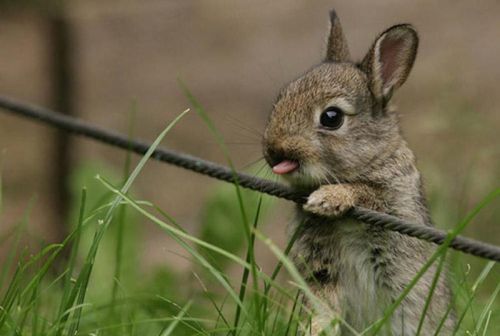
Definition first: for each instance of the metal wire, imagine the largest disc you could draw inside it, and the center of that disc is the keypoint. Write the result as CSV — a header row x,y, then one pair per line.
x,y
385,221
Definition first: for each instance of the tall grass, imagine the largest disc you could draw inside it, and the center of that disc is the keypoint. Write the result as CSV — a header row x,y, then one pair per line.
x,y
100,288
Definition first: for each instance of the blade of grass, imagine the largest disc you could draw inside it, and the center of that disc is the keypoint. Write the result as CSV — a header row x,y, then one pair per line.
x,y
175,229
181,234
101,330
9,319
220,140
220,313
487,323
14,290
171,327
277,314
178,235
24,316
486,313
480,279
10,295
172,229
66,299
122,210
198,326
287,250
298,324
84,276
277,269
292,312
34,285
1,186
246,272
33,303
21,228
187,320
317,303
449,309
35,318
431,292
469,295
377,326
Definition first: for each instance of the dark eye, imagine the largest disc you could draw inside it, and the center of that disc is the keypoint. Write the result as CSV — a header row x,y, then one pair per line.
x,y
332,118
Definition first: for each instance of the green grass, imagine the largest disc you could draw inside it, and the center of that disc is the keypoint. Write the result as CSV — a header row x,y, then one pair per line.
x,y
100,288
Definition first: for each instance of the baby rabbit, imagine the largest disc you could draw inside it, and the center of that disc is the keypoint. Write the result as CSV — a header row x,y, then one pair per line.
x,y
333,130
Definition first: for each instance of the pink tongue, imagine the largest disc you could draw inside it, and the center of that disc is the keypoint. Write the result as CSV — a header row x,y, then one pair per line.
x,y
285,167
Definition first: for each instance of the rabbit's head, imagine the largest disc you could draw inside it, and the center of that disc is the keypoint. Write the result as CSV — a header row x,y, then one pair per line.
x,y
333,122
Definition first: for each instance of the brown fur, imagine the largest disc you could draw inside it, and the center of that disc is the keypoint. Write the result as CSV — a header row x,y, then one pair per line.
x,y
358,269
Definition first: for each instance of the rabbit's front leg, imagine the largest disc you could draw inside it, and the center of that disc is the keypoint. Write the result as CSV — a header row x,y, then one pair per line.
x,y
333,200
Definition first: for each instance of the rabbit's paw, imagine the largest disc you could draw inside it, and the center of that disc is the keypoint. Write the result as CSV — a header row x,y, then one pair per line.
x,y
330,200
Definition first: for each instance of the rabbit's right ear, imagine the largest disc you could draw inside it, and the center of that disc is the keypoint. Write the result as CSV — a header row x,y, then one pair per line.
x,y
390,59
337,50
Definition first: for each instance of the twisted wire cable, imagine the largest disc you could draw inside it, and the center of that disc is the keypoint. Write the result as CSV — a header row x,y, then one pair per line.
x,y
220,172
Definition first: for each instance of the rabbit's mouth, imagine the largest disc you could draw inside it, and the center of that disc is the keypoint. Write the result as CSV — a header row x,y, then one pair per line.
x,y
299,174
286,167
291,167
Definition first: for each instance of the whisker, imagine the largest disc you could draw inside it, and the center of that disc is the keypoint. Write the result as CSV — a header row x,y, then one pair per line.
x,y
248,165
332,174
321,177
250,130
243,125
262,168
235,143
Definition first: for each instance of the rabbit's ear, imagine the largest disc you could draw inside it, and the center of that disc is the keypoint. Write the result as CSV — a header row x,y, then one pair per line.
x,y
390,59
337,50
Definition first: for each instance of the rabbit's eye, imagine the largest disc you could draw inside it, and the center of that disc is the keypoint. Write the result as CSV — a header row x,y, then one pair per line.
x,y
332,118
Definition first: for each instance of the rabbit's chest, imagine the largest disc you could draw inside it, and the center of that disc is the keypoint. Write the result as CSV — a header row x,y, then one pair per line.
x,y
345,257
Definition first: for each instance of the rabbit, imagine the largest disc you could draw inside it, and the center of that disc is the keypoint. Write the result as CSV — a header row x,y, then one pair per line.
x,y
334,131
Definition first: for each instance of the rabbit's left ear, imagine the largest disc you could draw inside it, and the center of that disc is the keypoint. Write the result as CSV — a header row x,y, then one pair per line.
x,y
337,49
390,59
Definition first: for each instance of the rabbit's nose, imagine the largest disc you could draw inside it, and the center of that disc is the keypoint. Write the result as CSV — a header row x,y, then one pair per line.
x,y
280,162
289,149
274,156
